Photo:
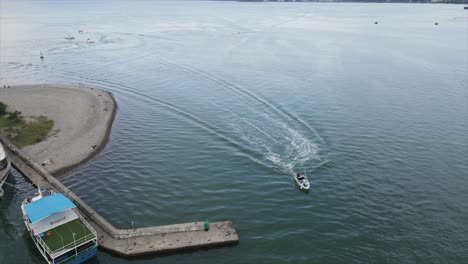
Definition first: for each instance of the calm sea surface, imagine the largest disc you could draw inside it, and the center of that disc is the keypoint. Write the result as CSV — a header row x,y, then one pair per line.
x,y
220,101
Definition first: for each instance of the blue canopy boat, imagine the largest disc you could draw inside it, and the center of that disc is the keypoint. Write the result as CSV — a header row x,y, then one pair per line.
x,y
59,232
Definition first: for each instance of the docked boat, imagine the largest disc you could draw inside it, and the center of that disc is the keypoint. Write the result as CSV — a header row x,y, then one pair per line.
x,y
57,229
302,181
5,165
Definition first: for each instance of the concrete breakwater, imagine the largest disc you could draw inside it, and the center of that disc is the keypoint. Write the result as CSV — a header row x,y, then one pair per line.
x,y
128,242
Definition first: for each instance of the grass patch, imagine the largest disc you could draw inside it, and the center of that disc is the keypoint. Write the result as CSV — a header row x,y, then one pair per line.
x,y
21,132
62,235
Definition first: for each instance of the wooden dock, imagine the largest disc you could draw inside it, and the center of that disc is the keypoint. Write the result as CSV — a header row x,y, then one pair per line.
x,y
128,242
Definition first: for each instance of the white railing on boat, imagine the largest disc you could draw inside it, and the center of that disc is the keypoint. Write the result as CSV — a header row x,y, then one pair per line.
x,y
68,246
88,225
74,243
74,256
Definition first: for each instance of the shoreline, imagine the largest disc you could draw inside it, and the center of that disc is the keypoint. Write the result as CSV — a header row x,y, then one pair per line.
x,y
83,119
99,148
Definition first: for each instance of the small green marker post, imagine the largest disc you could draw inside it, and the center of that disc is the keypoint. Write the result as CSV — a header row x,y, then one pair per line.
x,y
206,225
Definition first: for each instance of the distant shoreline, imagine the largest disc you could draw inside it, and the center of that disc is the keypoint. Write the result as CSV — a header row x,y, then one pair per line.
x,y
83,120
460,2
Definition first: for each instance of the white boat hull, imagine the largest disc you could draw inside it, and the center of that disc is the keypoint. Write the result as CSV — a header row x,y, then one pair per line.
x,y
4,172
302,184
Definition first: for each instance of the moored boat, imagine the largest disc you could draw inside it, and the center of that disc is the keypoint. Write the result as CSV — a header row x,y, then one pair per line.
x,y
58,230
5,165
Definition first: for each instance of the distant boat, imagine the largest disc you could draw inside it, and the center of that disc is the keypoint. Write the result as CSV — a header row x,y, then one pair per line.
x,y
302,181
70,37
89,41
80,31
58,230
42,56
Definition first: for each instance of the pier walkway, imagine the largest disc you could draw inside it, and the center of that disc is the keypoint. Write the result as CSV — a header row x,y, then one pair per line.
x,y
128,242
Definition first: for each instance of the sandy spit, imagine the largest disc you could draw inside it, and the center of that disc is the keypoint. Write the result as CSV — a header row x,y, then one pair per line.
x,y
83,119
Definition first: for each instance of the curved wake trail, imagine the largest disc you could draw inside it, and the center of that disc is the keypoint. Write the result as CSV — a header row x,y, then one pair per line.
x,y
275,109
299,148
290,151
247,151
271,142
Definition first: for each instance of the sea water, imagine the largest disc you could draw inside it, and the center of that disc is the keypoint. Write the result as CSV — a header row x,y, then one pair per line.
x,y
219,102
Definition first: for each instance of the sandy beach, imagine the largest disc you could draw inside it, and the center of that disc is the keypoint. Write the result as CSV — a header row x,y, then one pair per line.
x,y
82,121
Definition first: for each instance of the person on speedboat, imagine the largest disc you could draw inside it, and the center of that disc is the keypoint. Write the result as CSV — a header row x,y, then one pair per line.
x,y
299,177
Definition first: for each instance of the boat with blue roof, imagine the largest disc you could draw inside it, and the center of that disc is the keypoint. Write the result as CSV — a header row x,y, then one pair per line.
x,y
57,229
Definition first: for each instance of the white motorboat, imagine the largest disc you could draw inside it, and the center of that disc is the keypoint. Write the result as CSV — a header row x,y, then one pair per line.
x,y
89,41
5,165
302,181
69,37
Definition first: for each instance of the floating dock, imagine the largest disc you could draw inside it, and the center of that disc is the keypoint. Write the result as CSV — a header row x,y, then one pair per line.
x,y
135,241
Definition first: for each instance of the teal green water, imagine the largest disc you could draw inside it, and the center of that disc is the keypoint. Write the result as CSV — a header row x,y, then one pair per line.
x,y
220,101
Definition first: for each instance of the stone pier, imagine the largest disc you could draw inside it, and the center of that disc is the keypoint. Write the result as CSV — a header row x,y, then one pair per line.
x,y
128,242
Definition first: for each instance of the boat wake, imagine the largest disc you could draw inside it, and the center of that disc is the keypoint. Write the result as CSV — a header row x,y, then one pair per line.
x,y
264,132
288,150
260,128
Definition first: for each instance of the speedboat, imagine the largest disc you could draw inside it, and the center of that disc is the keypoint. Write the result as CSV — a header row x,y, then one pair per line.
x,y
57,229
69,37
302,181
5,165
89,41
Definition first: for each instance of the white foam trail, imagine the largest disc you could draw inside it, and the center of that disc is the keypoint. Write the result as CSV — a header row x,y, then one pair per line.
x,y
287,148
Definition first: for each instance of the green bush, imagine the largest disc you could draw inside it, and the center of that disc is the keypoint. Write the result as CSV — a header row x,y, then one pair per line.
x,y
3,108
14,115
23,133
